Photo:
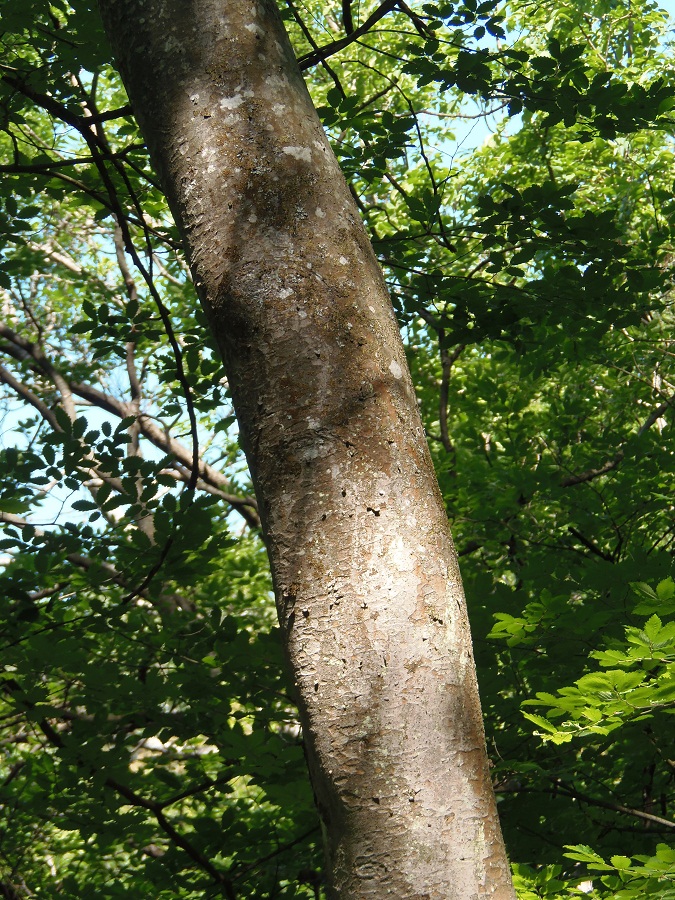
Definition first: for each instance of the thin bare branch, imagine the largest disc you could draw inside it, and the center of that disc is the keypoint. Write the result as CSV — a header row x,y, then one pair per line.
x,y
29,397
310,39
168,601
322,53
447,362
612,464
569,791
210,479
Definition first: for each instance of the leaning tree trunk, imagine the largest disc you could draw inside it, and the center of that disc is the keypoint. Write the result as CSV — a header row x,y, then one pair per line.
x,y
368,590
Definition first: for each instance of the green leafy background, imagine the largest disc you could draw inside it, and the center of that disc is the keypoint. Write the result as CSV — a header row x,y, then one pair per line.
x,y
514,167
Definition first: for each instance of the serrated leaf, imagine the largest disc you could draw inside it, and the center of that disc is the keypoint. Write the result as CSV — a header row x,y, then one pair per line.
x,y
84,505
665,590
652,628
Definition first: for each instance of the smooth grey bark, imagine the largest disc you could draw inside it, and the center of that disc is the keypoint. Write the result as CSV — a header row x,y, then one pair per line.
x,y
368,590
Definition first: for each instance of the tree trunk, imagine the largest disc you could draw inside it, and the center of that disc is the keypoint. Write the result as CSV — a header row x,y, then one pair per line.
x,y
368,590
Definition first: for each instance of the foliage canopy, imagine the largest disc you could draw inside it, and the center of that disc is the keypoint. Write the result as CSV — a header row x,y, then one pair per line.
x,y
514,167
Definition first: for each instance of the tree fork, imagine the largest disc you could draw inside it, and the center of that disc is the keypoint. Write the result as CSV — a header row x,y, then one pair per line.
x,y
365,574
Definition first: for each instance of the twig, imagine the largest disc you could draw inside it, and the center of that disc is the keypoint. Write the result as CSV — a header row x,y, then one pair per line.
x,y
322,53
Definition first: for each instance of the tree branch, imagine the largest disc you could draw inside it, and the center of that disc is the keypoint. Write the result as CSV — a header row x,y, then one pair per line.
x,y
608,804
347,20
169,601
322,53
590,545
180,840
26,394
447,362
310,39
568,791
134,799
612,464
212,480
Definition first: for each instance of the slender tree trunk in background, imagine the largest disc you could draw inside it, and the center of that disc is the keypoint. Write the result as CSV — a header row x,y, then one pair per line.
x,y
366,579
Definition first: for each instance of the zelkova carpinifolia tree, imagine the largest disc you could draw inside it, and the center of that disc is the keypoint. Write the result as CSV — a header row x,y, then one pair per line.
x,y
366,579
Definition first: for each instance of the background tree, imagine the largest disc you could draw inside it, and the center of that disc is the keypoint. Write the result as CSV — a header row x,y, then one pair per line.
x,y
532,282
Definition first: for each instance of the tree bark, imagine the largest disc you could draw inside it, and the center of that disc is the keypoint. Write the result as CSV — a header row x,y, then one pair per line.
x,y
366,579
